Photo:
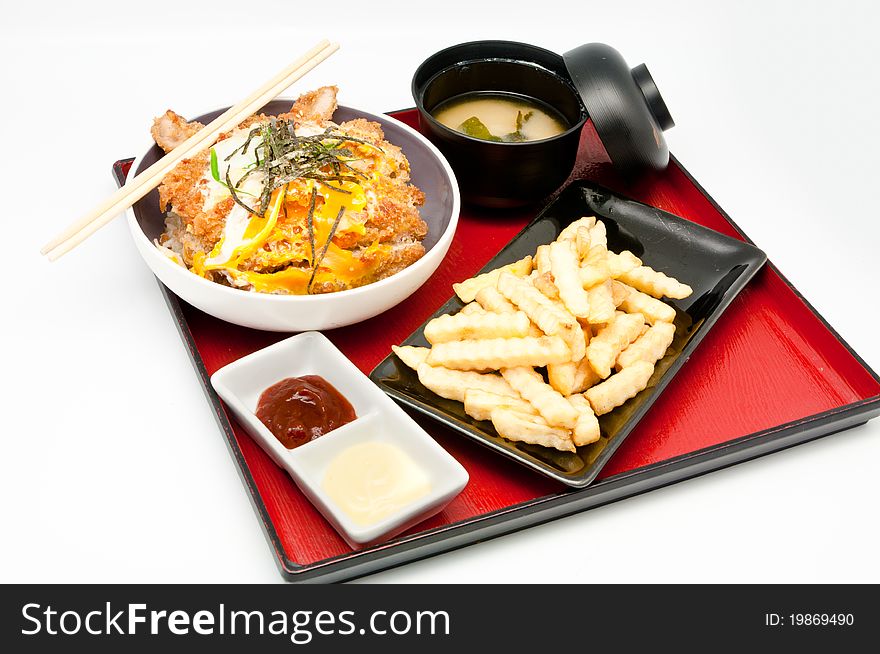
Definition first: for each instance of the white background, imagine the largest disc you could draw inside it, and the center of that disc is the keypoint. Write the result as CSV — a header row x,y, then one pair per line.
x,y
113,467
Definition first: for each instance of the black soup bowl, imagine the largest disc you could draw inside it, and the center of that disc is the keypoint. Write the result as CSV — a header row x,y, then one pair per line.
x,y
501,174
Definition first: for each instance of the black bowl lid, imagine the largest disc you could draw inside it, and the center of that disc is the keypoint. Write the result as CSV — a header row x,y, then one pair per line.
x,y
625,106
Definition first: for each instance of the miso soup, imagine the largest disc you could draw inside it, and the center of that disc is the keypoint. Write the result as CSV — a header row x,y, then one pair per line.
x,y
500,117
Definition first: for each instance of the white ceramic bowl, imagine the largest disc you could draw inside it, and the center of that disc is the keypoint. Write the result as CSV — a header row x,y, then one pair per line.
x,y
379,419
430,172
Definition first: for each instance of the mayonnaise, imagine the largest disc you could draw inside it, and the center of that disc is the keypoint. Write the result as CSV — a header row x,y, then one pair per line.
x,y
373,480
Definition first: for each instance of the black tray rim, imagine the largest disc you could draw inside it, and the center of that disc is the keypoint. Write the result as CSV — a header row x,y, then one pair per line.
x,y
540,510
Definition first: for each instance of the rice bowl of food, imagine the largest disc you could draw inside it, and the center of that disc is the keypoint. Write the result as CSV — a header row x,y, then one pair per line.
x,y
307,216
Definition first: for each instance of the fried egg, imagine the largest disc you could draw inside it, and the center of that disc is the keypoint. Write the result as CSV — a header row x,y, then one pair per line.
x,y
244,233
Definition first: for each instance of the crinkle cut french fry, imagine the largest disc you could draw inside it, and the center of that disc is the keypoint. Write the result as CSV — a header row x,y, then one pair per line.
x,y
471,307
620,387
595,269
601,303
549,403
479,404
619,292
491,300
586,429
573,376
566,276
577,342
544,283
653,309
453,384
585,376
622,262
655,283
542,311
551,319
535,332
542,259
598,235
649,347
411,355
476,326
597,256
496,353
603,349
521,427
582,242
561,376
467,290
587,330
571,230
570,378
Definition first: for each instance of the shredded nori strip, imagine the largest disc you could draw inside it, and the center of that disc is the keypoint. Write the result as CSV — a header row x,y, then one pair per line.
x,y
311,221
234,194
282,156
324,249
336,188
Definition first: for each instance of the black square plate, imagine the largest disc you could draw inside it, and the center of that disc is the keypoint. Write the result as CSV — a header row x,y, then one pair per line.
x,y
717,267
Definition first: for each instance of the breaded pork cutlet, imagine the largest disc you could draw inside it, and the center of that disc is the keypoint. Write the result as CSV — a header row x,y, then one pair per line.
x,y
358,193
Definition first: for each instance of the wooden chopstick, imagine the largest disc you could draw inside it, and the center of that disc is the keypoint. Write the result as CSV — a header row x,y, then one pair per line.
x,y
150,178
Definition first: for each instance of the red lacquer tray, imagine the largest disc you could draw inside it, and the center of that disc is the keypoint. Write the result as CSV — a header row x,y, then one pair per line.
x,y
771,374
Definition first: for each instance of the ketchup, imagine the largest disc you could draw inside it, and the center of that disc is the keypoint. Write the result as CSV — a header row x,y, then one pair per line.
x,y
300,409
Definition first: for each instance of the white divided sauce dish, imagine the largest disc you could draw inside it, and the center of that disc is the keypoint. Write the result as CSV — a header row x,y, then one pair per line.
x,y
381,426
